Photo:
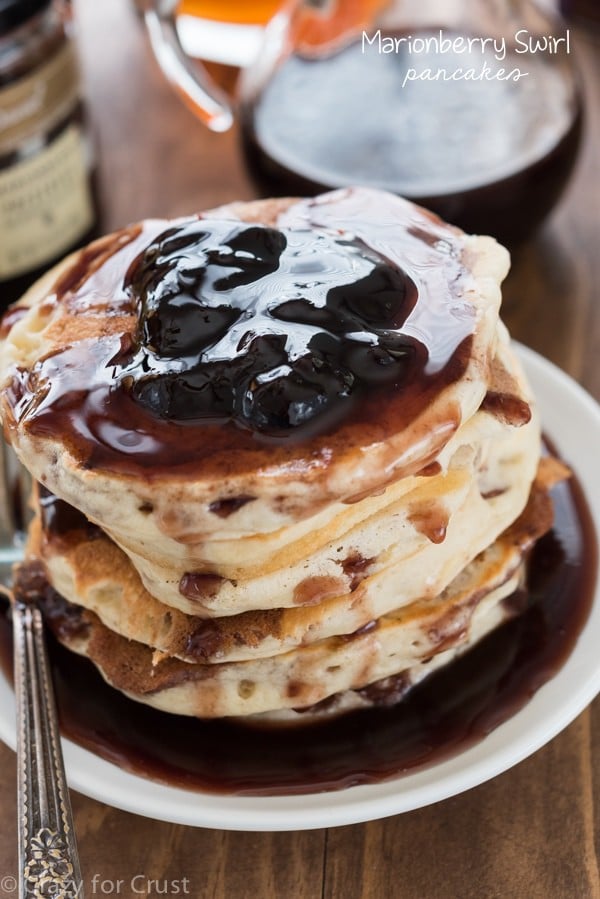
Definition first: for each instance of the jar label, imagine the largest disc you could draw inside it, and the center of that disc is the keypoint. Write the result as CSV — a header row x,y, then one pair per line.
x,y
34,104
45,204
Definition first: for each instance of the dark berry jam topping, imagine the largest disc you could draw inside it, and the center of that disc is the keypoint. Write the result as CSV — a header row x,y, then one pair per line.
x,y
223,347
264,327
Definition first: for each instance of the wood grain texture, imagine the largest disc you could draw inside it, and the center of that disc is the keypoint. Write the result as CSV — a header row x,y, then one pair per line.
x,y
531,833
552,294
528,833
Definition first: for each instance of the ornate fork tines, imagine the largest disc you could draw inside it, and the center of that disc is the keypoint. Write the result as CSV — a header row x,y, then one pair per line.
x,y
48,857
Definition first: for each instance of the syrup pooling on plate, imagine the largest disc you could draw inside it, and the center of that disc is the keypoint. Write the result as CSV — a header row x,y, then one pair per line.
x,y
444,715
267,328
273,369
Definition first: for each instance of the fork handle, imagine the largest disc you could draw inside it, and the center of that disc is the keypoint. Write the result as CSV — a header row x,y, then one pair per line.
x,y
48,859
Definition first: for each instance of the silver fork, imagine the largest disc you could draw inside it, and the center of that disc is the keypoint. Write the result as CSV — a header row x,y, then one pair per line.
x,y
48,858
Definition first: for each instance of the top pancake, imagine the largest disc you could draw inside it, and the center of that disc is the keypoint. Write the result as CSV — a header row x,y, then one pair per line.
x,y
124,467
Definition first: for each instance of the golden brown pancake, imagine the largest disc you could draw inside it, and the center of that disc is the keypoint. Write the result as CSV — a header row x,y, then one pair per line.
x,y
285,452
88,569
172,484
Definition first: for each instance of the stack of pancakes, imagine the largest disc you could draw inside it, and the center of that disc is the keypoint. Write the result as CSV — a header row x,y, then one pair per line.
x,y
243,574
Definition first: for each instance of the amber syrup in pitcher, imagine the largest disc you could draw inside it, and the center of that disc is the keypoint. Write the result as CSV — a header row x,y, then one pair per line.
x,y
491,154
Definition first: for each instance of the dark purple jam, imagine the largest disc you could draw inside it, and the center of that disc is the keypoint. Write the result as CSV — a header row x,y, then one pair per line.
x,y
266,328
220,346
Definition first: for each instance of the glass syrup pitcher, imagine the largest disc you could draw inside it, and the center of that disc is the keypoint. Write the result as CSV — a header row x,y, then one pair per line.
x,y
470,107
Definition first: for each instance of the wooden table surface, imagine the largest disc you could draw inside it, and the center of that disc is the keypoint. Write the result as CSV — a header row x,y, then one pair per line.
x,y
530,833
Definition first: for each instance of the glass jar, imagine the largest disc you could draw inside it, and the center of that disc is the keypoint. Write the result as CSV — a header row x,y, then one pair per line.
x,y
47,204
471,108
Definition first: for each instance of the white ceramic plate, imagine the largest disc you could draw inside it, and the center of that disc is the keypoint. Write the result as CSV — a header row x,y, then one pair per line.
x,y
572,419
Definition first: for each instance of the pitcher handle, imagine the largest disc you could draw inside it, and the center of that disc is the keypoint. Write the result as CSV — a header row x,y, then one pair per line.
x,y
191,82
